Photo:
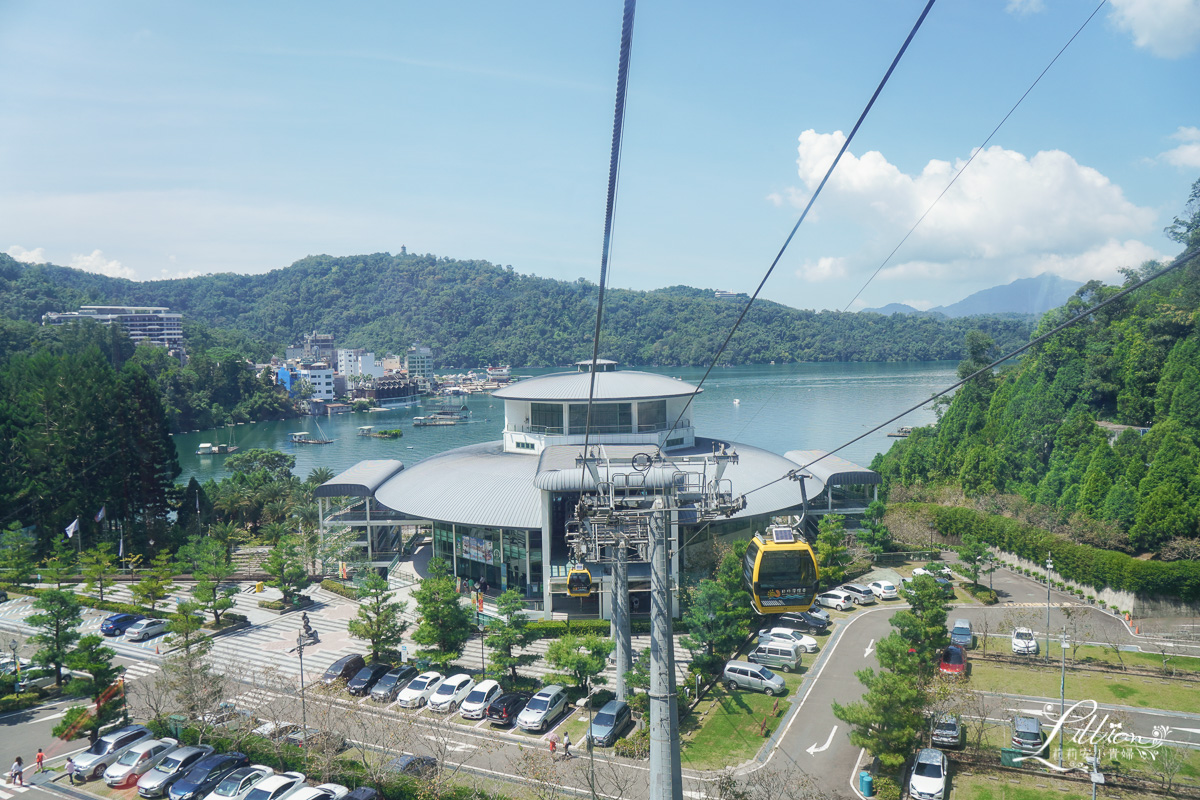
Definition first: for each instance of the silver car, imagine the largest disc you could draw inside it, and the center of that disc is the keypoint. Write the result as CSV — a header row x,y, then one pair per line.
x,y
543,708
108,748
755,677
146,629
157,782
137,760
237,784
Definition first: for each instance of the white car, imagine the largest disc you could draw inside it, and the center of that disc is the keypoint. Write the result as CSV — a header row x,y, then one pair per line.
x,y
928,781
835,599
1023,642
417,693
804,642
137,760
275,786
475,706
237,784
941,572
884,590
820,613
145,629
452,692
326,791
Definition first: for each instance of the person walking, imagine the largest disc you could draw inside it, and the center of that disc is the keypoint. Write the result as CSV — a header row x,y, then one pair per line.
x,y
40,759
17,776
553,746
566,744
70,767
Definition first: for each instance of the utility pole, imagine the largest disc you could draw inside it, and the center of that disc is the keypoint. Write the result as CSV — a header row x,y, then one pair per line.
x,y
666,777
622,629
1049,567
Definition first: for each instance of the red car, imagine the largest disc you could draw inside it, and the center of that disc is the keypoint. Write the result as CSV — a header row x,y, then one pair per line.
x,y
954,661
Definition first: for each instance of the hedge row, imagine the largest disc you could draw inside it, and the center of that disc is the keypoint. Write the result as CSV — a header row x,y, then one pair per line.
x,y
90,602
337,587
549,629
16,702
1076,562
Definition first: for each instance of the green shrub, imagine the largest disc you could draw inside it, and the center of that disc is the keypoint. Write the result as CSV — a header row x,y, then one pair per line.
x,y
982,594
337,587
273,605
886,788
635,745
17,702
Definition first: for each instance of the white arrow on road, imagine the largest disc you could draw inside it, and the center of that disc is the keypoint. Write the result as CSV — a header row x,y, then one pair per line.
x,y
1186,730
870,648
813,749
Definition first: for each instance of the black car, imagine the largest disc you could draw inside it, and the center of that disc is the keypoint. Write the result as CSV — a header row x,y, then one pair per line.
x,y
363,793
504,709
417,766
117,624
365,678
389,685
803,621
946,585
344,668
204,777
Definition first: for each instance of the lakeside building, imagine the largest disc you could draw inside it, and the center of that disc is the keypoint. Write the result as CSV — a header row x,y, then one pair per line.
x,y
498,511
418,363
320,377
358,362
152,325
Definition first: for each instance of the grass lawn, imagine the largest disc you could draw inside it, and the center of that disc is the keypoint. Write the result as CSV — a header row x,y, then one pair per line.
x,y
725,727
1103,655
1014,786
1114,689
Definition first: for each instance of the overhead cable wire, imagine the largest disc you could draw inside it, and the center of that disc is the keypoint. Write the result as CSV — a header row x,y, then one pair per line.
x,y
845,145
614,169
975,153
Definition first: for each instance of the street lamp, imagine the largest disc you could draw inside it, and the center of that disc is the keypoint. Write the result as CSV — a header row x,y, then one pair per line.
x,y
1062,709
1049,567
931,529
16,664
300,641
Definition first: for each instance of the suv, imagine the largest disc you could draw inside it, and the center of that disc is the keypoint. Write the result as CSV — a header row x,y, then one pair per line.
x,y
947,731
543,708
608,724
157,781
505,708
389,685
1027,734
743,675
475,706
108,748
860,594
205,776
961,634
452,692
137,760
343,669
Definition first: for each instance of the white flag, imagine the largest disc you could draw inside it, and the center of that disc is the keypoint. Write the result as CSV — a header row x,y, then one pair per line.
x,y
121,552
73,528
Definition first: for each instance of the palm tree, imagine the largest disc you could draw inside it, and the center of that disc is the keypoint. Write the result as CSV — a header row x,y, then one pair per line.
x,y
319,475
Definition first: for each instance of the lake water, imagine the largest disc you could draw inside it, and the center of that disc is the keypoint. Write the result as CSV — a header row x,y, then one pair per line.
x,y
779,408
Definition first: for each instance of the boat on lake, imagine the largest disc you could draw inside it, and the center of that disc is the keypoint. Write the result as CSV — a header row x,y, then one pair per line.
x,y
215,449
901,433
438,418
304,437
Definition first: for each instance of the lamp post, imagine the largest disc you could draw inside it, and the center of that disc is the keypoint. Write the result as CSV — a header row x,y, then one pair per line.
x,y
12,645
931,528
300,640
1049,567
1062,708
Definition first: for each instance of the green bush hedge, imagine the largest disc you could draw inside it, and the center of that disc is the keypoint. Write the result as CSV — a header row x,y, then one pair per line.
x,y
90,602
549,629
635,745
16,702
1077,562
338,587
982,594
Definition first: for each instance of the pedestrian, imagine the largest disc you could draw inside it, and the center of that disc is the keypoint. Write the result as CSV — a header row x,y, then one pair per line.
x,y
483,586
17,775
566,744
41,757
553,746
70,766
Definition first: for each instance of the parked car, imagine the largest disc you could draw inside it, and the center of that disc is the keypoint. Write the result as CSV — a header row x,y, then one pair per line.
x,y
416,766
451,693
108,748
343,669
389,685
138,760
783,656
1027,734
961,634
804,621
860,594
237,784
806,643
835,599
158,780
205,775
1023,642
505,708
475,706
948,731
363,793
316,738
928,781
117,624
274,729
609,723
754,677
933,569
884,590
146,629
543,709
947,586
366,678
3,596
275,786
36,679
819,613
326,791
419,690
954,661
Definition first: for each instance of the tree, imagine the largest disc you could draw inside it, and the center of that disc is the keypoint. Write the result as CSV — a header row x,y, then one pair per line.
x,y
831,549
108,697
874,535
445,623
1185,229
98,567
580,659
272,462
715,627
286,568
156,583
59,565
506,634
890,718
184,627
18,562
922,627
57,627
380,619
210,570
975,558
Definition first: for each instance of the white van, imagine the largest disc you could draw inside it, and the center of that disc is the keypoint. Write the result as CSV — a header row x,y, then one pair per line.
x,y
782,655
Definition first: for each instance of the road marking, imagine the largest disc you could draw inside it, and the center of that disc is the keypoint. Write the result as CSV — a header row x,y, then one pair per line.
x,y
453,748
1186,730
870,649
813,749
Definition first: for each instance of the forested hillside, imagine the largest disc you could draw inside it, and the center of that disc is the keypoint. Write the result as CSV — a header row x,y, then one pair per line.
x,y
474,313
1032,431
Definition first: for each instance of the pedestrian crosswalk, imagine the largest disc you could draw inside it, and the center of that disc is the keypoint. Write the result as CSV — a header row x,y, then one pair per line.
x,y
7,791
141,669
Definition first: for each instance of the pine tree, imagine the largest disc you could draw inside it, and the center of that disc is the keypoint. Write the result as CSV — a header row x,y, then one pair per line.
x,y
445,623
380,619
506,634
57,627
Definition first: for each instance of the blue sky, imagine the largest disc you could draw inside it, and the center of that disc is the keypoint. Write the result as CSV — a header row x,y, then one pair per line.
x,y
151,140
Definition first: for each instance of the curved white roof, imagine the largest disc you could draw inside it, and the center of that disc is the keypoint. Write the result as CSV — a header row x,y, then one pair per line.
x,y
573,386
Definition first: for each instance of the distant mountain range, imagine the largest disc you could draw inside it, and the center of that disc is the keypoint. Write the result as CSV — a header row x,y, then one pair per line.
x,y
1034,296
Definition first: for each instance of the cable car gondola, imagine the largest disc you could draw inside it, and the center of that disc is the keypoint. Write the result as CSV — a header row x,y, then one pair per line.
x,y
780,571
579,581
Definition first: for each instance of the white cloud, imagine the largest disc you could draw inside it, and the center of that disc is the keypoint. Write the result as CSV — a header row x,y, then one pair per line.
x,y
1008,216
775,199
96,262
1187,154
1167,28
823,269
35,256
1024,7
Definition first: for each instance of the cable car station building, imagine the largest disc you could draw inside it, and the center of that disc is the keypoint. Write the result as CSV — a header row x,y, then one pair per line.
x,y
498,511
